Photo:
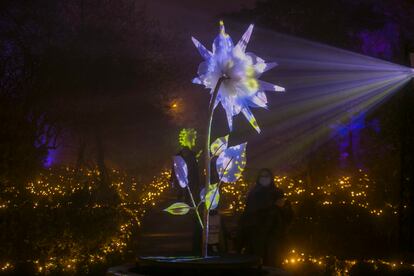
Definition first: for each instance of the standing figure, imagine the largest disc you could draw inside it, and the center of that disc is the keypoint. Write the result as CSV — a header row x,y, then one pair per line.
x,y
263,225
187,140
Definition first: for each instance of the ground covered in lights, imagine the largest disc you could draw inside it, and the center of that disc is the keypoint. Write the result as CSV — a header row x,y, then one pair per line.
x,y
70,221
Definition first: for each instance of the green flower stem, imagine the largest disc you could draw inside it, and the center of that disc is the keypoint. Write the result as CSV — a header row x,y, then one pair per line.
x,y
195,206
207,164
218,185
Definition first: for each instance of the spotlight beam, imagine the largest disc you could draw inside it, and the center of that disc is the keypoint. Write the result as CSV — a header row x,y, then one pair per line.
x,y
325,85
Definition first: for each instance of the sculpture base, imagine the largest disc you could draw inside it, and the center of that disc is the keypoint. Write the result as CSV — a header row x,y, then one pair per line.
x,y
214,265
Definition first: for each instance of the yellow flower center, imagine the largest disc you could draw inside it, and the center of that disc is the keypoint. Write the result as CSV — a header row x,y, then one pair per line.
x,y
252,84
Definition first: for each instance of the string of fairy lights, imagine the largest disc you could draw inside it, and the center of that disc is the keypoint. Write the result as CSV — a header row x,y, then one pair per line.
x,y
355,191
53,185
296,260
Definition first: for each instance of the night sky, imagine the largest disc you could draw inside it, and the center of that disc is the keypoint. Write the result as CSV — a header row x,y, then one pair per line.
x,y
143,140
94,95
143,137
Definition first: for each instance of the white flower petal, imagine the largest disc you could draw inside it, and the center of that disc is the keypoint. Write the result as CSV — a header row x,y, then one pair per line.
x,y
263,67
267,86
241,89
244,40
206,54
197,81
222,43
203,68
249,116
259,100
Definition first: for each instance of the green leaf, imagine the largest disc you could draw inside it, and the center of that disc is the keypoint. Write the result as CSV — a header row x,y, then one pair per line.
x,y
219,145
231,163
178,209
181,171
210,194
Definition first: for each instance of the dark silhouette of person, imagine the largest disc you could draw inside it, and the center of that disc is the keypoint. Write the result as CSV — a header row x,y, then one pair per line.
x,y
264,223
190,159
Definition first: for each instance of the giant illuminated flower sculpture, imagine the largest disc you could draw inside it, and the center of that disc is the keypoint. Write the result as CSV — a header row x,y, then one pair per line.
x,y
232,76
240,87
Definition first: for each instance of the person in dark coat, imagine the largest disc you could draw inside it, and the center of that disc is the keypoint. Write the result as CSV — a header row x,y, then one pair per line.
x,y
263,225
187,139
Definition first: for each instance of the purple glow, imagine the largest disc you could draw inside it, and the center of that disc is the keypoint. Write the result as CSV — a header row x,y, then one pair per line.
x,y
50,158
382,42
51,152
349,139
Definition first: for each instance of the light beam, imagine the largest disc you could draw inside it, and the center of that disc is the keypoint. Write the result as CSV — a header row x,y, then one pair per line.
x,y
325,85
